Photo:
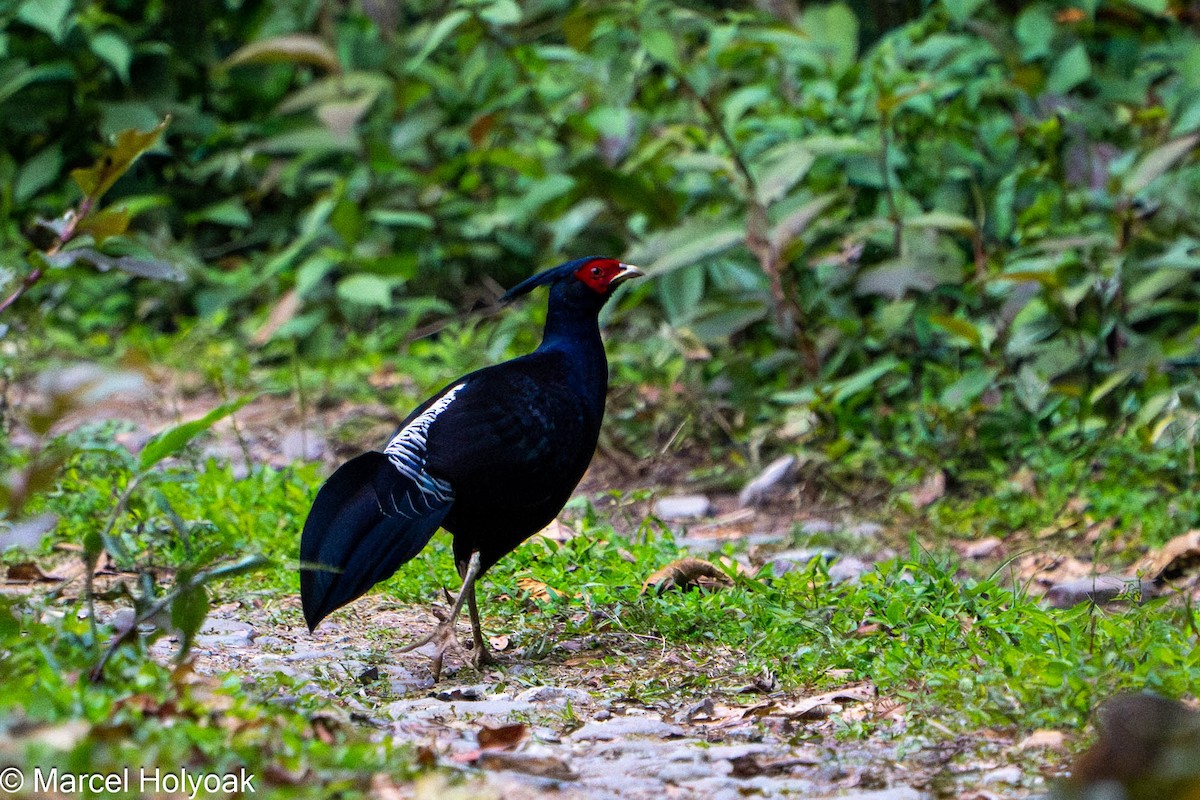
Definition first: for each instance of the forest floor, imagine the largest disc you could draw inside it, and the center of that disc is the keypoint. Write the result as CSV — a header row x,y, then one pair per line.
x,y
617,711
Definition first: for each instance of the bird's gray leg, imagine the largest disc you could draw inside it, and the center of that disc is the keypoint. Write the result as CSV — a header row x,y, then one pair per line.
x,y
479,652
443,634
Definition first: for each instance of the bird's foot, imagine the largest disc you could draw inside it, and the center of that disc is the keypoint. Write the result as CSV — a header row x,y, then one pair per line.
x,y
443,638
479,657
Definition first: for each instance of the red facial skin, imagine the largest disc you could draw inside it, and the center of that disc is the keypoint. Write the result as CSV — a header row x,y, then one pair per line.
x,y
598,273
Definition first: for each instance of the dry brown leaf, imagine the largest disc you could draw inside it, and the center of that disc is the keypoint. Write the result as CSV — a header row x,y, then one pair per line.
x,y
384,788
541,766
498,643
753,765
1175,559
822,705
27,572
282,312
558,532
540,591
930,490
506,737
686,573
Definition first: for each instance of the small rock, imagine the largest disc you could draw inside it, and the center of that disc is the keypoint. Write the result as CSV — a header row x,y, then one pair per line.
x,y
848,569
767,482
1096,589
792,560
983,548
1010,774
894,793
302,445
556,696
865,530
1044,739
683,506
216,641
223,625
626,726
711,544
704,708
679,771
812,526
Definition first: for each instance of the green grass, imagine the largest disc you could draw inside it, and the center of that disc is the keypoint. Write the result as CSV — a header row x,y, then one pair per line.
x,y
959,652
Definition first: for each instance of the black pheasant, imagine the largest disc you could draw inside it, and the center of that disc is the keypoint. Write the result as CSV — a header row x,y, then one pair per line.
x,y
492,458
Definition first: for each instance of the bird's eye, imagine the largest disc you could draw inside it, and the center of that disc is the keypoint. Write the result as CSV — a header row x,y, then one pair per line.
x,y
595,272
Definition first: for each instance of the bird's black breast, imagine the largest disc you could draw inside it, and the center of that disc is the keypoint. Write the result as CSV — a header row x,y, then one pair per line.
x,y
513,444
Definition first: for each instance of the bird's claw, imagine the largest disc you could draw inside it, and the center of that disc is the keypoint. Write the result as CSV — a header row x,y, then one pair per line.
x,y
480,657
443,637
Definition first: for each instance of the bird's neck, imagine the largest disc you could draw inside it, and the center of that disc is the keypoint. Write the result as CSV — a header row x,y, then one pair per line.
x,y
575,333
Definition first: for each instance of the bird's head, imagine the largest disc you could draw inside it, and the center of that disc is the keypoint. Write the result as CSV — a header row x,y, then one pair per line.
x,y
595,277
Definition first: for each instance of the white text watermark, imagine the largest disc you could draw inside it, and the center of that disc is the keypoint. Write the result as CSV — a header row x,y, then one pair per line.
x,y
143,780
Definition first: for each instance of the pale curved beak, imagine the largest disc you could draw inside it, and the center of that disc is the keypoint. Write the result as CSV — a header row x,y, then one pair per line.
x,y
627,272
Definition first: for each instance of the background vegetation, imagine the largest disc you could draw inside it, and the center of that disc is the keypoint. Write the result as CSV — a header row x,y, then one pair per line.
x,y
963,240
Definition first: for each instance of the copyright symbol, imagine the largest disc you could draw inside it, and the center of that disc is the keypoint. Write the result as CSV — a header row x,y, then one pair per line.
x,y
11,780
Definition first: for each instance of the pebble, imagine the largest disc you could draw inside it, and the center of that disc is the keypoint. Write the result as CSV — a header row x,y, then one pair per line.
x,y
302,445
894,793
848,569
1010,774
1096,589
865,530
767,482
556,697
682,506
792,560
626,726
814,526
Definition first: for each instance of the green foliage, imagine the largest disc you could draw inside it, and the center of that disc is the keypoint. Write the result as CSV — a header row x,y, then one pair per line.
x,y
979,224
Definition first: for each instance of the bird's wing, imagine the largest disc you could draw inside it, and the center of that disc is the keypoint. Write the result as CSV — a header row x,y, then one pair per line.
x,y
509,431
376,512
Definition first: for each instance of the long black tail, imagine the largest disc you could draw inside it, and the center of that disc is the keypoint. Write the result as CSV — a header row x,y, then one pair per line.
x,y
367,520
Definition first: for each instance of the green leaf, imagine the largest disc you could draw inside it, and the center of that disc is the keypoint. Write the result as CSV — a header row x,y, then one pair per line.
x,y
917,271
172,440
115,51
1035,31
188,610
782,167
153,268
660,44
99,178
38,172
1156,163
48,16
502,12
430,42
680,293
834,29
962,10
105,224
941,220
367,290
706,242
1071,69
863,380
16,75
957,326
292,48
1158,8
968,388
401,219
